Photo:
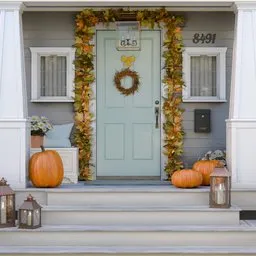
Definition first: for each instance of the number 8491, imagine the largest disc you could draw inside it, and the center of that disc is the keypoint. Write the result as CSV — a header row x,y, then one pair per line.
x,y
204,38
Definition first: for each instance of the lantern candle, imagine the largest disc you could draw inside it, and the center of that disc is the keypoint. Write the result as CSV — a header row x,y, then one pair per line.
x,y
37,217
3,210
220,194
29,219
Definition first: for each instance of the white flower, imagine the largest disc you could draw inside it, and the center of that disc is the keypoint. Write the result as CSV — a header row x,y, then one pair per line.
x,y
217,154
39,125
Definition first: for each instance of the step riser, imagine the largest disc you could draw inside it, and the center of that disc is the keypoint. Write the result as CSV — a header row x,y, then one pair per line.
x,y
124,254
141,199
246,200
140,218
243,199
132,238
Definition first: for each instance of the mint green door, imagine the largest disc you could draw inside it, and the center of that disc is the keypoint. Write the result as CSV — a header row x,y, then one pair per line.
x,y
128,138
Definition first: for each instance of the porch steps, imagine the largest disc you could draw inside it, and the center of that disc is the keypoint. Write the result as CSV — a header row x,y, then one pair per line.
x,y
155,235
98,220
125,250
138,215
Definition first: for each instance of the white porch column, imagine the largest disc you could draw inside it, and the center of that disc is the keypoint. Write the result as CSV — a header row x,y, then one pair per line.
x,y
14,128
241,125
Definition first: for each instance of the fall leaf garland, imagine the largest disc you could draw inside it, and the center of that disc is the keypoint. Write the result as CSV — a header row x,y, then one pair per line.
x,y
84,78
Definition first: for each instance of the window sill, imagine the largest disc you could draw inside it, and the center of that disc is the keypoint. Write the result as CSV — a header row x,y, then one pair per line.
x,y
52,100
203,100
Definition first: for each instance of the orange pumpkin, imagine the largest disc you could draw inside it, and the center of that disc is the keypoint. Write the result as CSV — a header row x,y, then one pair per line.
x,y
187,178
46,169
206,167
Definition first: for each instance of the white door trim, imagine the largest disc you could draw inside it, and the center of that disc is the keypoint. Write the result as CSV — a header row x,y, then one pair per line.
x,y
93,105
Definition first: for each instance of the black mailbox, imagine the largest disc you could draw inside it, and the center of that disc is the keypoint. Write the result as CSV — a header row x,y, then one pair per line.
x,y
202,120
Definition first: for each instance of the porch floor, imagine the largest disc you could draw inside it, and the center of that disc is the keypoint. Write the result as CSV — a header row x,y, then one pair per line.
x,y
127,183
138,185
118,185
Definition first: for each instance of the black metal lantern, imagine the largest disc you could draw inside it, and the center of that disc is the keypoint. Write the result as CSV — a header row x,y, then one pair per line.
x,y
220,188
7,201
30,214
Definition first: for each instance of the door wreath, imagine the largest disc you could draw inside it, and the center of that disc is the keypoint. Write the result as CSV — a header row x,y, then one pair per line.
x,y
119,75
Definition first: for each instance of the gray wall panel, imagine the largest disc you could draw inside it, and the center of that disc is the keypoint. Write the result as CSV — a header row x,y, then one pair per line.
x,y
56,29
196,144
48,29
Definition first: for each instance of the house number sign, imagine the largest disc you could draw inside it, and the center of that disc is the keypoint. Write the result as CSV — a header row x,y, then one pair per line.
x,y
204,38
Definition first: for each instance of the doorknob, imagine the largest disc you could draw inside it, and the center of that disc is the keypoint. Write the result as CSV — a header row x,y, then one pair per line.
x,y
157,116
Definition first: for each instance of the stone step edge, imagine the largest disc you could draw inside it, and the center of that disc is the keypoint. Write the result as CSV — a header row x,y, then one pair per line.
x,y
244,226
115,189
78,188
135,208
126,249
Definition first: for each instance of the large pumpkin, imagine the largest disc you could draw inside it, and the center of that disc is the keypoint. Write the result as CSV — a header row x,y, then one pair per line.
x,y
187,178
46,169
206,167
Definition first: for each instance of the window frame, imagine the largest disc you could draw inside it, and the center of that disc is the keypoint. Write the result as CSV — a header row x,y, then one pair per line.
x,y
36,53
220,54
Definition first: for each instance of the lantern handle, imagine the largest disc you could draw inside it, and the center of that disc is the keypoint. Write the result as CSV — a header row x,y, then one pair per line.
x,y
3,182
30,198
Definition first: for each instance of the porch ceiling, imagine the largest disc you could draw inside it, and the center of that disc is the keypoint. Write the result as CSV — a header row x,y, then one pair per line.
x,y
178,5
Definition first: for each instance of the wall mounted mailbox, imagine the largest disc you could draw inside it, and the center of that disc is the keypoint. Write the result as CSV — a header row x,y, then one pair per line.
x,y
202,120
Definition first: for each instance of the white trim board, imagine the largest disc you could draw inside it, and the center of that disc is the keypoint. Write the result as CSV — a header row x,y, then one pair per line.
x,y
181,5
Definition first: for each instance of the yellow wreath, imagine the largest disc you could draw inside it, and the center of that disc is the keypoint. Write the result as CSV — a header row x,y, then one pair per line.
x,y
135,81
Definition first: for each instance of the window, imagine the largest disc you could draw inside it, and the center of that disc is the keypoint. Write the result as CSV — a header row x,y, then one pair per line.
x,y
52,74
204,73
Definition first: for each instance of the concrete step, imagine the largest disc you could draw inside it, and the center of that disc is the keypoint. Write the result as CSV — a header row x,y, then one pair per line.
x,y
116,195
131,250
130,195
139,215
158,235
79,194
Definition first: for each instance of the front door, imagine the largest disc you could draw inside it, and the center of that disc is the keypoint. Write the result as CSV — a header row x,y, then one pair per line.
x,y
128,127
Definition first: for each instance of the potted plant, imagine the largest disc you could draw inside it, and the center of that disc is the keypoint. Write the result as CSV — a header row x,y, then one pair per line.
x,y
218,154
39,127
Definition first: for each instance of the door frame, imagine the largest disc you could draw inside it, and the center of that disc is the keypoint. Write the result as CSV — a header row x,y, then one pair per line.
x,y
93,105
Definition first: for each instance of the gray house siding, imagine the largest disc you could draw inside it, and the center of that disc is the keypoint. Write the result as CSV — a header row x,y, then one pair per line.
x,y
48,29
221,24
56,29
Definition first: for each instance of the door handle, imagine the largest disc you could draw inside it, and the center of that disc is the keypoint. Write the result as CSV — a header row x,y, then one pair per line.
x,y
157,117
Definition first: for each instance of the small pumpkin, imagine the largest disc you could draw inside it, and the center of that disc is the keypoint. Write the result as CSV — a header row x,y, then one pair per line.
x,y
206,167
46,169
187,178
